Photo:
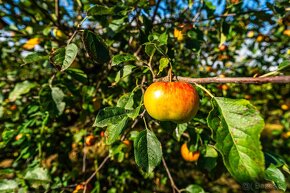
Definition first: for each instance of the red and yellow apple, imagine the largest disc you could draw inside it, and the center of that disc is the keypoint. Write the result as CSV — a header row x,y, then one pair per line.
x,y
171,101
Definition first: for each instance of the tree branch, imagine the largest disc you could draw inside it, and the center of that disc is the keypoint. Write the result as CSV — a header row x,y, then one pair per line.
x,y
238,80
155,11
100,166
56,7
170,177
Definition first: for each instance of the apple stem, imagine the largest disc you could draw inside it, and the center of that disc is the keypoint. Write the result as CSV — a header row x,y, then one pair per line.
x,y
170,74
204,89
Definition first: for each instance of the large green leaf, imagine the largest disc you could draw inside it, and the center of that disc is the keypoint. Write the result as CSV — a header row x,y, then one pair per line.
x,y
96,47
237,135
20,89
274,175
120,58
109,115
38,177
8,186
35,57
114,131
147,150
64,57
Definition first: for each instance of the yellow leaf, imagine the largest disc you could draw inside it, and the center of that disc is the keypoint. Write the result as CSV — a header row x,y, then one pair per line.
x,y
178,34
31,43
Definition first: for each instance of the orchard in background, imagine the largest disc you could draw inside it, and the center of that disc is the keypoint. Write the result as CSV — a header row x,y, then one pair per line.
x,y
78,113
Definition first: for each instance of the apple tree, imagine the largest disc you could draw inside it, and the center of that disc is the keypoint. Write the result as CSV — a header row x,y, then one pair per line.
x,y
144,96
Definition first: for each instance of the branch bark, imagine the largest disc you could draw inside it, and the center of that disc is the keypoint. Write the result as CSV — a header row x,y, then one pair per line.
x,y
238,80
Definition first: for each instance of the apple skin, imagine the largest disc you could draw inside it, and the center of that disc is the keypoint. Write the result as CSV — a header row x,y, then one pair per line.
x,y
171,101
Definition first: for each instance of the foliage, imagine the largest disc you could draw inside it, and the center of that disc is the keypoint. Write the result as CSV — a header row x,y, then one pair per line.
x,y
76,69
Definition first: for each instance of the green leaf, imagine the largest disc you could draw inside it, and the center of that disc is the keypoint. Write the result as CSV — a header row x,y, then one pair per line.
x,y
96,47
58,96
1,112
274,175
51,100
100,10
180,130
209,160
237,137
35,57
64,57
38,177
126,101
150,49
77,74
8,185
20,89
193,188
133,114
223,38
109,115
285,65
163,39
163,64
124,72
147,150
210,5
114,131
120,58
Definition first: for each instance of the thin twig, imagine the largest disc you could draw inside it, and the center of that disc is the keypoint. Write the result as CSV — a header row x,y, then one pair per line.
x,y
172,20
95,172
84,156
76,31
170,177
238,80
56,4
198,12
150,66
155,11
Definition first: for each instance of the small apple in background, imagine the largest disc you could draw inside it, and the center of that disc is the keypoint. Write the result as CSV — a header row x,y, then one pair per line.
x,y
188,155
260,38
223,47
90,140
18,137
171,101
286,32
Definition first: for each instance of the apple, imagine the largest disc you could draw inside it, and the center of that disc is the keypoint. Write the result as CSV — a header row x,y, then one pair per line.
x,y
171,101
90,140
286,32
188,155
223,47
